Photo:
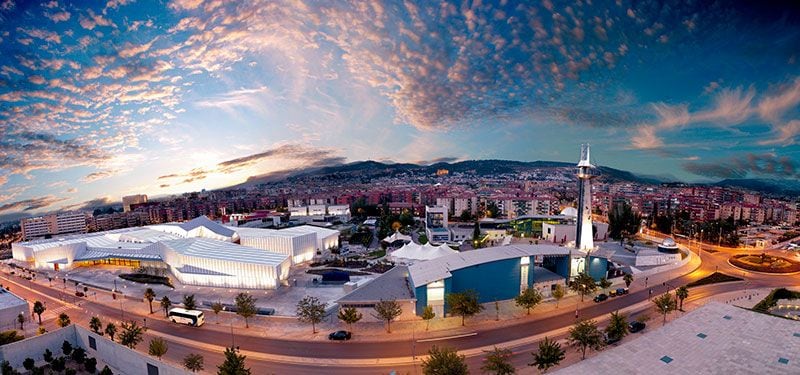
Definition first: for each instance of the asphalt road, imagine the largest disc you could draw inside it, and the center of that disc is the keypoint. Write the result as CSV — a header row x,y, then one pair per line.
x,y
370,353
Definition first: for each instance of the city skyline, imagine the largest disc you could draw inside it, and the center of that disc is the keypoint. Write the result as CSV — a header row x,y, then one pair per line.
x,y
162,98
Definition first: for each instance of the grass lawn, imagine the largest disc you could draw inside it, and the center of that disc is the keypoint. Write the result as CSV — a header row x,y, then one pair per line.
x,y
772,299
714,278
377,253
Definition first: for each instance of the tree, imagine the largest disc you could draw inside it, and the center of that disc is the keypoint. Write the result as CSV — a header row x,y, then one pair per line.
x,y
166,304
665,304
106,371
216,307
583,284
388,310
628,279
349,315
96,325
131,334
427,315
233,364
498,362
158,347
111,330
28,363
528,299
466,215
41,330
66,347
59,364
617,326
245,307
79,355
464,304
311,310
188,302
622,221
90,365
7,337
682,293
444,361
492,210
193,362
5,367
47,356
550,354
585,335
476,235
63,320
38,309
604,284
150,295
558,293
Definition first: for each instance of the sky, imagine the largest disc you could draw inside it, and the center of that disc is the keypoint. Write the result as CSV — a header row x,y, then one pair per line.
x,y
110,98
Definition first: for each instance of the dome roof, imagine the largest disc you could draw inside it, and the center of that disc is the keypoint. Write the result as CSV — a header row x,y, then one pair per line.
x,y
668,242
570,211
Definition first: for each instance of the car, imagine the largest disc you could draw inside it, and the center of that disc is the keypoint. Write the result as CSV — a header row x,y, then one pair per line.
x,y
612,293
601,297
340,336
611,339
621,291
79,294
634,327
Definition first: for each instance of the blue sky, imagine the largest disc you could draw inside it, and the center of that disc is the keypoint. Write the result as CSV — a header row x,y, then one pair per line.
x,y
112,98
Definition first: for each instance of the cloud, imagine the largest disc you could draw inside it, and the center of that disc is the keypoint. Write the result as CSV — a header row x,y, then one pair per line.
x,y
22,152
31,204
248,98
58,17
730,107
48,36
94,176
92,20
90,204
444,159
300,155
761,165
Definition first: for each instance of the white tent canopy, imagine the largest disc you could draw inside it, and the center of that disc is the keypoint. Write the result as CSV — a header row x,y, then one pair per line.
x,y
412,252
397,236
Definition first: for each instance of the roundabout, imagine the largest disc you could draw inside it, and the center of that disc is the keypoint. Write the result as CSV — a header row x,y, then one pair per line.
x,y
764,263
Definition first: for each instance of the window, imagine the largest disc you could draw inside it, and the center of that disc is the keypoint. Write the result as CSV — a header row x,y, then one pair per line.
x,y
92,343
152,370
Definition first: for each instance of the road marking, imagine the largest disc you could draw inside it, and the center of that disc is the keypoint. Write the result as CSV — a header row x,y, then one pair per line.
x,y
448,337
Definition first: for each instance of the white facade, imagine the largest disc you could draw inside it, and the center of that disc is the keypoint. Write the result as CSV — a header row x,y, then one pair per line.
x,y
194,261
54,224
299,246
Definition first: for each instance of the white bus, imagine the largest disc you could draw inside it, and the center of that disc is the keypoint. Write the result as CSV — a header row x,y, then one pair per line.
x,y
189,317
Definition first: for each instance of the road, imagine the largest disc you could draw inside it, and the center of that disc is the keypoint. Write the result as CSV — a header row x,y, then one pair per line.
x,y
268,355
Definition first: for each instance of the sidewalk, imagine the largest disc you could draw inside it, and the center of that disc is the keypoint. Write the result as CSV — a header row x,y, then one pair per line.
x,y
290,328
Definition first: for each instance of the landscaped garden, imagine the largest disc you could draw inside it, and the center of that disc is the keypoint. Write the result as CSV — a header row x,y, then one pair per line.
x,y
764,263
713,278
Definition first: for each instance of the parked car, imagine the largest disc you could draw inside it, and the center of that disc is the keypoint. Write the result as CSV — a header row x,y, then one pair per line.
x,y
600,297
621,291
610,339
79,294
634,327
340,336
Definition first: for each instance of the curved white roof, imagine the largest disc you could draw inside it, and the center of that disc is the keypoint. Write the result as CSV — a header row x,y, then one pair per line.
x,y
416,252
397,236
222,250
426,272
668,242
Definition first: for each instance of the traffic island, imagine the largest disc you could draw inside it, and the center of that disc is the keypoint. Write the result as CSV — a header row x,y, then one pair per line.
x,y
764,263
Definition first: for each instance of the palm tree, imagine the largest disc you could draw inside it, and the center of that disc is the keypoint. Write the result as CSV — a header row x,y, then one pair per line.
x,y
665,304
216,307
193,362
111,330
166,304
617,326
63,320
96,325
628,279
150,295
550,354
682,293
38,308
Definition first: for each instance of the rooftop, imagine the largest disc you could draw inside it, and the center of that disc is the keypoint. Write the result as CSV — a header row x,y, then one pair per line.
x,y
8,300
222,250
437,269
393,284
714,339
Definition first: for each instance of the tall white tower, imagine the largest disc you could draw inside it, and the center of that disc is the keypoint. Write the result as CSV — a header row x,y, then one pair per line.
x,y
586,172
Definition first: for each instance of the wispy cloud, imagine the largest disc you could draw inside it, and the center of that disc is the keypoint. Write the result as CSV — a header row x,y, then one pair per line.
x,y
769,165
